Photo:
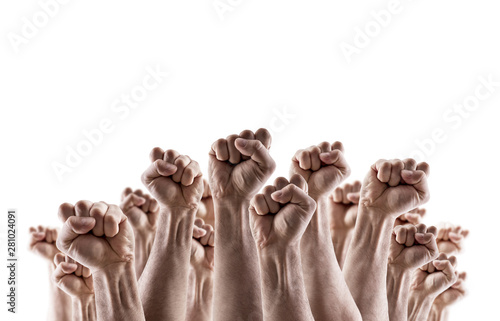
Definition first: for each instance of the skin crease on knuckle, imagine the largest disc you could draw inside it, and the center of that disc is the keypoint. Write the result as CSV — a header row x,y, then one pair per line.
x,y
161,260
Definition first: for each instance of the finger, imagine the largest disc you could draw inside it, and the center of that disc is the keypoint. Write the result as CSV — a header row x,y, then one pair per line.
x,y
280,183
154,206
209,229
234,153
383,169
181,162
59,258
260,204
156,153
130,201
400,232
125,192
314,152
198,232
86,272
97,212
170,156
264,137
82,208
410,164
419,181
410,235
158,168
146,205
325,147
339,146
219,150
273,206
424,167
191,172
429,241
337,159
199,222
338,195
433,230
347,190
446,267
48,235
66,210
421,228
72,228
396,167
257,152
295,195
303,157
112,219
299,181
354,197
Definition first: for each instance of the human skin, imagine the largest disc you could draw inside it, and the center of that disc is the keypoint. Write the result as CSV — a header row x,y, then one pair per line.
x,y
451,238
428,283
201,278
76,281
239,165
343,209
98,236
323,167
43,243
175,181
142,211
278,219
206,208
391,188
413,217
441,305
411,247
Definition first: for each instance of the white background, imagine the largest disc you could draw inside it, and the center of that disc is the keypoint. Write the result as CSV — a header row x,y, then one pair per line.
x,y
264,58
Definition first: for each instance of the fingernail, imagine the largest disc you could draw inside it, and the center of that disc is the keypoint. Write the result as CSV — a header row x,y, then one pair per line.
x,y
277,194
87,220
242,142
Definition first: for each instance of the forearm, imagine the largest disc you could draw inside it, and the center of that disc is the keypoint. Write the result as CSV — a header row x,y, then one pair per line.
x,y
237,278
326,288
438,314
164,294
84,309
116,293
200,297
143,247
341,240
365,268
284,294
60,303
419,307
398,288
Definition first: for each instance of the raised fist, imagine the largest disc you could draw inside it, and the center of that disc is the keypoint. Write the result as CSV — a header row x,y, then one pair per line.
x,y
344,206
451,238
435,277
202,248
239,165
453,294
95,234
141,209
43,242
394,187
413,217
280,215
323,167
72,277
173,179
413,246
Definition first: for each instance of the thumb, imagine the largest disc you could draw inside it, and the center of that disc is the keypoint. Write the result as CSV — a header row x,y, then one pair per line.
x,y
354,197
72,228
257,152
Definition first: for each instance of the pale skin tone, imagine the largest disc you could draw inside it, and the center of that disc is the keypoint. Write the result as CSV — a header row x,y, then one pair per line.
x,y
323,167
343,208
175,181
451,238
391,188
278,219
206,208
76,281
411,247
43,243
428,283
239,165
98,236
200,294
142,211
455,293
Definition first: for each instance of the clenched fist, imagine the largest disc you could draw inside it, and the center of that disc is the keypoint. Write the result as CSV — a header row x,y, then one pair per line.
x,y
239,165
141,209
323,167
43,242
451,238
394,187
95,234
344,206
72,277
435,277
280,215
173,179
202,248
413,246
